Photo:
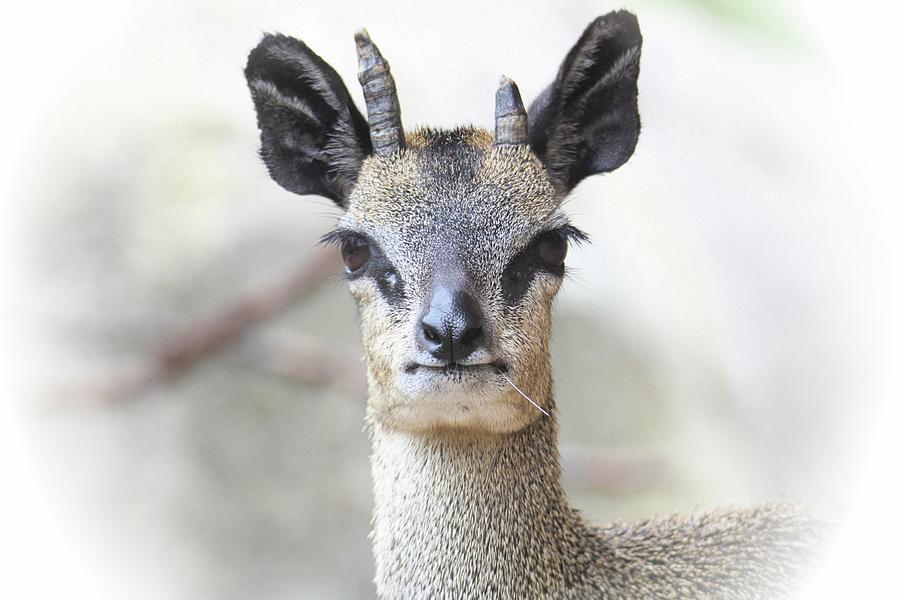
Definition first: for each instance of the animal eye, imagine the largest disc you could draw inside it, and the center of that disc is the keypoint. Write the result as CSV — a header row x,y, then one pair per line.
x,y
552,249
356,252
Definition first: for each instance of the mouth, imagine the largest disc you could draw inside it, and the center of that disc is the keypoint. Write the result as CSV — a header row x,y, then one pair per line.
x,y
455,369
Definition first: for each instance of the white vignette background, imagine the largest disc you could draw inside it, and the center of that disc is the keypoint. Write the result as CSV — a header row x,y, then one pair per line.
x,y
43,46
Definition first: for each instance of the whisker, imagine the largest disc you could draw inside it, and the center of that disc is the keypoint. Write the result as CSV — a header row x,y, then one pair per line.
x,y
577,277
524,395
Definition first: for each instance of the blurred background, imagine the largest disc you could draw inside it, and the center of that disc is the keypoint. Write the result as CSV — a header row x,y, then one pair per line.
x,y
189,391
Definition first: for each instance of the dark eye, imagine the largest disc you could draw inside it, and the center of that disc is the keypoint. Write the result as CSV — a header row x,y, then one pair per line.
x,y
356,252
552,249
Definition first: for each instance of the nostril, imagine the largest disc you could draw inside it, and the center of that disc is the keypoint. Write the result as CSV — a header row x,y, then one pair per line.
x,y
451,329
472,337
430,333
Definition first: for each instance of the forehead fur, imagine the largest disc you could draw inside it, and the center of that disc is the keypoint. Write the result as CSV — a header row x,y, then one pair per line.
x,y
450,191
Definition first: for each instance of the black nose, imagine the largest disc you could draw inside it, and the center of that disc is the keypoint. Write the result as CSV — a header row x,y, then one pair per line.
x,y
452,327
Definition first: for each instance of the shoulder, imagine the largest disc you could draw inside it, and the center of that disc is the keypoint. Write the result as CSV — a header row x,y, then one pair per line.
x,y
757,552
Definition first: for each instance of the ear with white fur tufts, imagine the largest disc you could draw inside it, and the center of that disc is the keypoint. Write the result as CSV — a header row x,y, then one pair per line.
x,y
586,121
314,139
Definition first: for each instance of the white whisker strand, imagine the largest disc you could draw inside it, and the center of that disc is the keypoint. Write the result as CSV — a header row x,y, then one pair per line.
x,y
524,395
574,195
577,277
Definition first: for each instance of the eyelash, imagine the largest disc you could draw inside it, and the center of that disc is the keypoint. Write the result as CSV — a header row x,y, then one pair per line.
x,y
336,237
377,266
520,271
516,278
570,233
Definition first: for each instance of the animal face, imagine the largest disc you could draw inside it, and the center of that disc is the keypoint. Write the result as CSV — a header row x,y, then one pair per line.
x,y
453,241
454,250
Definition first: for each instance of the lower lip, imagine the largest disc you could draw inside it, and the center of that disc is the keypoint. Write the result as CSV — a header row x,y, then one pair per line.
x,y
451,370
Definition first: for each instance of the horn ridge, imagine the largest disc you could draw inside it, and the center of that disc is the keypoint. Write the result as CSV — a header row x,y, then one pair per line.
x,y
380,92
510,118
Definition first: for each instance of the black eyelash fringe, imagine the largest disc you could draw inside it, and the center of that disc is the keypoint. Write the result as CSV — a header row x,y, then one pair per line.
x,y
335,237
571,233
568,232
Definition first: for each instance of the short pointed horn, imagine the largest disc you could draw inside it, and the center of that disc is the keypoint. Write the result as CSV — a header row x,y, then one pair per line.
x,y
381,97
510,118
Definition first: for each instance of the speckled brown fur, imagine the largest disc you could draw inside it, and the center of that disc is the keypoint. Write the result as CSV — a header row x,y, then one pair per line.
x,y
469,513
470,517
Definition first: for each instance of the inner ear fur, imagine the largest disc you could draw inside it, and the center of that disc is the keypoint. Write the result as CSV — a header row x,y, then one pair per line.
x,y
313,138
587,121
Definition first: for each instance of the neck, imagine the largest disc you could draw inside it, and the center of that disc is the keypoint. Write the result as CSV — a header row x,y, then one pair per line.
x,y
459,515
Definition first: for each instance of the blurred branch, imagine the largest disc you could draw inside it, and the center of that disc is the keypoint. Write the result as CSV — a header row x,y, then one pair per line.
x,y
201,339
197,341
308,362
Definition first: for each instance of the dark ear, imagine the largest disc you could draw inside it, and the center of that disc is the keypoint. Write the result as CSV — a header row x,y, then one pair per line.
x,y
587,121
314,140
